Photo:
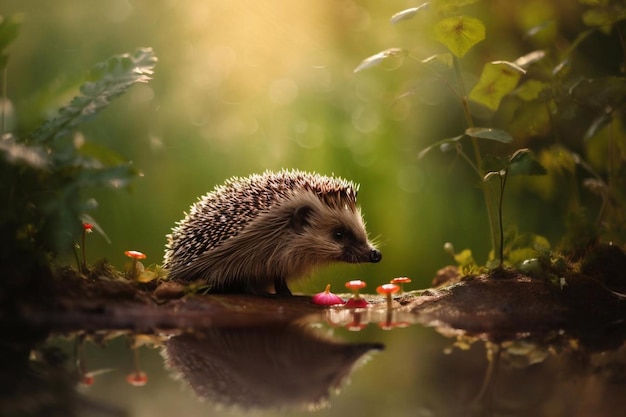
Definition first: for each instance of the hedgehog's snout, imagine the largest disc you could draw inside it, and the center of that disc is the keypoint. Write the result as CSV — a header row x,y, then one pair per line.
x,y
375,256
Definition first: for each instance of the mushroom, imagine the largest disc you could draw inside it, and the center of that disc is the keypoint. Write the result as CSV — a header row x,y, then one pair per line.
x,y
401,281
326,298
137,379
356,301
388,290
135,256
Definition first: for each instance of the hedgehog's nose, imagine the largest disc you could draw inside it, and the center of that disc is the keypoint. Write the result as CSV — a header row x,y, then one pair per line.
x,y
375,256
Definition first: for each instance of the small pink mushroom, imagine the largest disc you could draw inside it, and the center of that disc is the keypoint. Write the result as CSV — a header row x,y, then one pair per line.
x,y
326,298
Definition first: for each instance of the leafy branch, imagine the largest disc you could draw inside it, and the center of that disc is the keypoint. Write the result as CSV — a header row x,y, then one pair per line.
x,y
45,174
106,81
459,34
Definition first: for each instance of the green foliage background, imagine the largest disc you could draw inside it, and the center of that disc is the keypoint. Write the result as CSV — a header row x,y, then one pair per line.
x,y
245,86
241,87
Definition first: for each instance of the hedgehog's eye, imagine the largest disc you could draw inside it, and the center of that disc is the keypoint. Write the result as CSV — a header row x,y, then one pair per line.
x,y
339,233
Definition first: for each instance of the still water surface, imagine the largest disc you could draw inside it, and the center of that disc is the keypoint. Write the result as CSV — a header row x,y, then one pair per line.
x,y
331,370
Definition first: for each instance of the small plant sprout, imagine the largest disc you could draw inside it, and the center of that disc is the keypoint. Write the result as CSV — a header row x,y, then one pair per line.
x,y
387,290
326,298
356,301
464,259
137,266
401,281
87,228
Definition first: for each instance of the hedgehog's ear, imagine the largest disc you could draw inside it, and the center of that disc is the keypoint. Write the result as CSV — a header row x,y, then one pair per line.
x,y
300,218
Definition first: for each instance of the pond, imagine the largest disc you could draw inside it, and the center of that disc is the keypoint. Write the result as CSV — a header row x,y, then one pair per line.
x,y
240,356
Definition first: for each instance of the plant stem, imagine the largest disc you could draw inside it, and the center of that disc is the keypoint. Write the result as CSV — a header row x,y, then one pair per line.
x,y
478,157
78,264
502,187
84,266
3,126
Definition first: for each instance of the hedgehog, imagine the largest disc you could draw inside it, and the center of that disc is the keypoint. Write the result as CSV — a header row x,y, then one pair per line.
x,y
254,234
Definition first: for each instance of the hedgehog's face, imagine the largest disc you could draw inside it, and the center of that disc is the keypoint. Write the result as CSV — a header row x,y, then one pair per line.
x,y
330,234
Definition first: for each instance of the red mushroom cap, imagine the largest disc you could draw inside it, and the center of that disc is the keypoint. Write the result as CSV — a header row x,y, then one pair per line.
x,y
137,379
356,284
87,227
135,254
401,280
387,289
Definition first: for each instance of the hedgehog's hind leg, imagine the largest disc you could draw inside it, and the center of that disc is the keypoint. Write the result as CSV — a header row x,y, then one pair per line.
x,y
281,288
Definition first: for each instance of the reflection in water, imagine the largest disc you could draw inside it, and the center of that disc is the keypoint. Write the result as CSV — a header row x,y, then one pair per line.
x,y
551,375
260,367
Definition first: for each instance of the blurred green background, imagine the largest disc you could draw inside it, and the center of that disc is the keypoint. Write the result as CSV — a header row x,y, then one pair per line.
x,y
245,86
250,85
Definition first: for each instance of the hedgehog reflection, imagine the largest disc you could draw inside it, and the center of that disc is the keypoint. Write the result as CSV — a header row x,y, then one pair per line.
x,y
263,367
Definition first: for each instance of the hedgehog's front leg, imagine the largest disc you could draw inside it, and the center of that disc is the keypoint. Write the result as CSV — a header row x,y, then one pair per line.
x,y
281,288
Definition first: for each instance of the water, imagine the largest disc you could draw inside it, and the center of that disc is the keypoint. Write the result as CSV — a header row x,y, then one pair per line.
x,y
374,362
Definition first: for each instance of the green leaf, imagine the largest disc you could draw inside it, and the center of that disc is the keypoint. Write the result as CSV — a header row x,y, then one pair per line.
x,y
464,258
489,133
376,59
459,34
407,14
85,218
523,162
497,80
532,118
493,163
517,256
439,143
531,89
9,30
603,18
107,81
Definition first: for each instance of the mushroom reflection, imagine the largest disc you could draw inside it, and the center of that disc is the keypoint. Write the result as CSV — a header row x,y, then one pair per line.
x,y
263,367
